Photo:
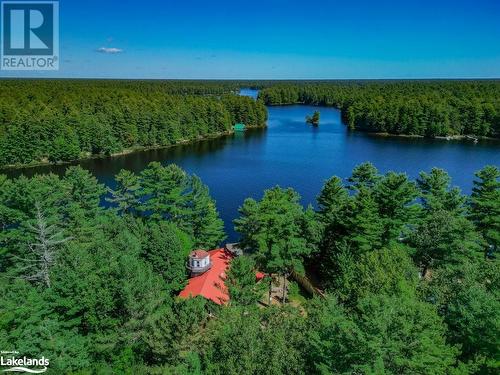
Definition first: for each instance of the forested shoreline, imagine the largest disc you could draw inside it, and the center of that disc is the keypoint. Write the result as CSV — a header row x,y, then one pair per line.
x,y
409,269
50,121
420,108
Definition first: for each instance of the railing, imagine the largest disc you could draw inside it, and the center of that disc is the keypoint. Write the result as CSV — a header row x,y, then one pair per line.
x,y
198,270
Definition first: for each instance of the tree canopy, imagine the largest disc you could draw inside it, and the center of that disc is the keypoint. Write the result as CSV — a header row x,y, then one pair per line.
x,y
63,120
425,108
408,269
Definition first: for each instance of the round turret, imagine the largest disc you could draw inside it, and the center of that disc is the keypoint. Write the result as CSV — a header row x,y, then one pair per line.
x,y
199,262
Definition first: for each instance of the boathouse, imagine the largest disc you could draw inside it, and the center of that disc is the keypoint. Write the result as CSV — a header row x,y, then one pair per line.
x,y
239,127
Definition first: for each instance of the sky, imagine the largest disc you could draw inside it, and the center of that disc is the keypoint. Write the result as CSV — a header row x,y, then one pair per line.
x,y
277,39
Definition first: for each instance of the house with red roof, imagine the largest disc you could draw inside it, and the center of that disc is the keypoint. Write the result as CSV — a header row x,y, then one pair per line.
x,y
208,274
208,271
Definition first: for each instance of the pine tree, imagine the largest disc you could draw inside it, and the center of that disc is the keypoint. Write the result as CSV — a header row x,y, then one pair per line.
x,y
333,205
125,193
43,251
163,191
384,335
365,227
444,239
332,200
273,227
204,220
83,191
485,205
166,248
394,194
241,282
437,194
364,175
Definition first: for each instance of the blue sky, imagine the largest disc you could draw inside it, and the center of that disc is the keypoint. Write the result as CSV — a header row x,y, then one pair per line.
x,y
278,39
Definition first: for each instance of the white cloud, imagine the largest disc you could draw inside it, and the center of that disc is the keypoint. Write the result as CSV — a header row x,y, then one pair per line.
x,y
110,50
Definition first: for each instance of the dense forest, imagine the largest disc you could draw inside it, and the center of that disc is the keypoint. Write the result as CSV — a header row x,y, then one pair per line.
x,y
425,108
409,271
62,120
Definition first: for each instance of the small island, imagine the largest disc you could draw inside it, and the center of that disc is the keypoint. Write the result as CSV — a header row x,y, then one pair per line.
x,y
314,119
430,109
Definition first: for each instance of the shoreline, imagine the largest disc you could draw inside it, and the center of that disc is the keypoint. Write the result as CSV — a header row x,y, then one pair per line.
x,y
128,151
137,149
461,137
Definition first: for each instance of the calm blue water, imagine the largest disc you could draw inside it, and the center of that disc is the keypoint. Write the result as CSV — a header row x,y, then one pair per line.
x,y
291,153
249,92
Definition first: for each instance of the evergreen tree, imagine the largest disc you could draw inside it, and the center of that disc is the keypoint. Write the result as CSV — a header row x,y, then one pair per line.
x,y
436,192
207,227
125,193
166,248
365,227
169,193
444,239
241,282
388,335
31,325
253,341
83,193
394,194
42,253
332,200
65,147
333,205
363,176
273,228
485,205
387,271
111,305
163,192
466,297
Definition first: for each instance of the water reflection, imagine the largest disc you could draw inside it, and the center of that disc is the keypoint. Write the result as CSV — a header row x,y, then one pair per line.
x,y
292,153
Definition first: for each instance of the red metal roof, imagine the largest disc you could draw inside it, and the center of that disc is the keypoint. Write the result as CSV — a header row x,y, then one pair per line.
x,y
211,283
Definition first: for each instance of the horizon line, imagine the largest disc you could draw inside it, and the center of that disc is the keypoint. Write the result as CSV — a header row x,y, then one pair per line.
x,y
257,79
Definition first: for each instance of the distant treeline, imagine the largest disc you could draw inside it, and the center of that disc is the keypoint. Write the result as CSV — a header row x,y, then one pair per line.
x,y
61,120
427,108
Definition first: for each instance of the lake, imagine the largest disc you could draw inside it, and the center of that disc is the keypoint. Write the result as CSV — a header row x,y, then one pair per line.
x,y
291,153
